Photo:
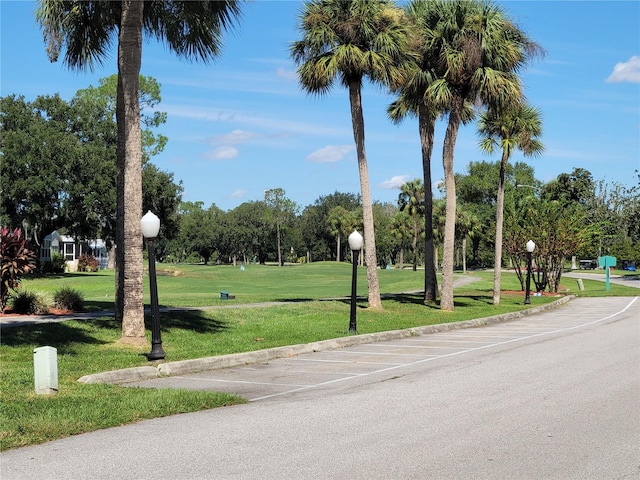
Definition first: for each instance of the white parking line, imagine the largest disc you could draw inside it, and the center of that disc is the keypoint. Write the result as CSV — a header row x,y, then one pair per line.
x,y
353,352
392,345
246,382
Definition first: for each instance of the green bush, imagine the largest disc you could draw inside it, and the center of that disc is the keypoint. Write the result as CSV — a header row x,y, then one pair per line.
x,y
30,303
18,259
67,298
57,264
88,263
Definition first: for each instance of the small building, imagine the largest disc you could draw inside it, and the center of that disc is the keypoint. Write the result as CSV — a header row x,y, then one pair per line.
x,y
71,249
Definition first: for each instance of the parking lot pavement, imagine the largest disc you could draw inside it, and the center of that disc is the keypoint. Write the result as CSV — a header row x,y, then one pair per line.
x,y
304,374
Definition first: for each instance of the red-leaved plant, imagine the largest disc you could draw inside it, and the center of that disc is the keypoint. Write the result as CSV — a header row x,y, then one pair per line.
x,y
18,259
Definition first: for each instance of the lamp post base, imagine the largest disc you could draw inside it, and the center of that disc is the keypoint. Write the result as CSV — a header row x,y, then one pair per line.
x,y
157,353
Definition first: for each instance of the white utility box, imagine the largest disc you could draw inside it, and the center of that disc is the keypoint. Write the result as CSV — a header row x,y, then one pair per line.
x,y
45,368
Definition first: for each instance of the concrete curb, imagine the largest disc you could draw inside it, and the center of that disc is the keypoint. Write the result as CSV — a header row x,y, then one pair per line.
x,y
225,361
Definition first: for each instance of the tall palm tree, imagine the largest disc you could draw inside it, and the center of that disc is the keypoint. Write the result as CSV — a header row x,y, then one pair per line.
x,y
512,128
336,220
85,29
400,229
419,74
348,41
411,202
479,54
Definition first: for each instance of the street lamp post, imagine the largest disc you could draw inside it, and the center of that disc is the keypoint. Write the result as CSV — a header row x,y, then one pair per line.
x,y
355,244
530,248
150,225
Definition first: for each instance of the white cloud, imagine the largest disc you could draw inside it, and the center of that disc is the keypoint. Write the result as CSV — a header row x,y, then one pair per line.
x,y
223,153
286,74
330,153
235,137
240,193
288,124
626,71
394,182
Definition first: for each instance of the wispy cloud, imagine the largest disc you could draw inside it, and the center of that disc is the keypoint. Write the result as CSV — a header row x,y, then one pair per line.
x,y
628,71
240,193
286,74
330,154
233,138
253,119
222,153
394,182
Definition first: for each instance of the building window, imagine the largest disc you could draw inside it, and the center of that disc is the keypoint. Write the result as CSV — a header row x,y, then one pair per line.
x,y
69,251
45,252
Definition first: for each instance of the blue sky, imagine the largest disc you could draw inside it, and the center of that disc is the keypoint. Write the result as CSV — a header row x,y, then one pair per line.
x,y
241,125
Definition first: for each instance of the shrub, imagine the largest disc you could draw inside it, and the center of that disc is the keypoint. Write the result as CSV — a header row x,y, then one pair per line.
x,y
30,303
88,263
18,259
67,298
57,264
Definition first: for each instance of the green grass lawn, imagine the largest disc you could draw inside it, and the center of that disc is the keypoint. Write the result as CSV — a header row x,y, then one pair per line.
x,y
92,346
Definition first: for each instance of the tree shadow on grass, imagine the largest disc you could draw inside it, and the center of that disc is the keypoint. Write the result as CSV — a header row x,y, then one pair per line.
x,y
295,300
458,300
102,306
472,300
61,335
192,320
412,298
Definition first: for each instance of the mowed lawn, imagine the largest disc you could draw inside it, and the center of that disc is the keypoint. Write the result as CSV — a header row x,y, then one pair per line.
x,y
200,285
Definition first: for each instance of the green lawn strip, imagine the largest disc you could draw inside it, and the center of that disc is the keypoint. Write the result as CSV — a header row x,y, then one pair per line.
x,y
200,285
91,346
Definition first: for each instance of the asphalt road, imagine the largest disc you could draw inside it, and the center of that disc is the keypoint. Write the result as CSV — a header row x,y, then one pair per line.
x,y
550,396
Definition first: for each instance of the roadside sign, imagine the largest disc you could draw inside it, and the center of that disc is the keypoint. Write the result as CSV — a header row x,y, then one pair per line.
x,y
607,262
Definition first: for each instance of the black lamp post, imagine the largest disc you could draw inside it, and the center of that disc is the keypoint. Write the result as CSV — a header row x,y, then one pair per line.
x,y
355,244
530,248
150,225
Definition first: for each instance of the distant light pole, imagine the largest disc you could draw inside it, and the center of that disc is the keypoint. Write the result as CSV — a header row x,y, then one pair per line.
x,y
355,244
150,225
530,248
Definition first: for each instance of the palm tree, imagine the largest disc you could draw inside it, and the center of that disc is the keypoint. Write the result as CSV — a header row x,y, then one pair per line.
x,y
510,128
411,202
467,224
348,41
86,29
336,220
419,73
400,229
479,54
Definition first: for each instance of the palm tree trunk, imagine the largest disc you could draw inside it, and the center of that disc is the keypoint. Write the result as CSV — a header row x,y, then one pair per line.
x,y
280,264
414,246
338,248
129,303
355,100
446,300
426,126
497,259
464,255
